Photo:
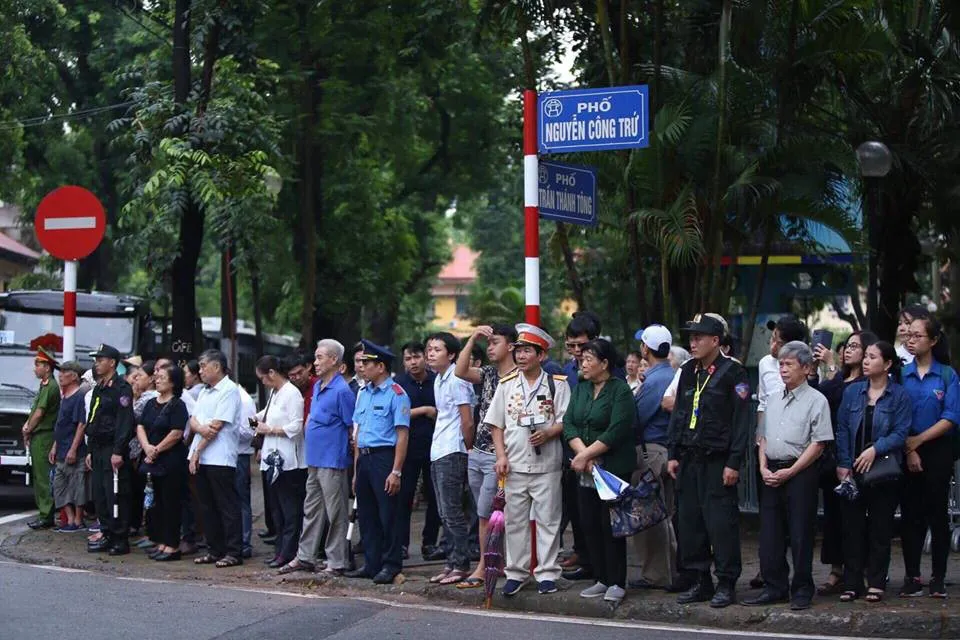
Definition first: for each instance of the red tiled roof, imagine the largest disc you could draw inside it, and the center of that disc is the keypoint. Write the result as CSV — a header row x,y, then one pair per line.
x,y
9,244
461,267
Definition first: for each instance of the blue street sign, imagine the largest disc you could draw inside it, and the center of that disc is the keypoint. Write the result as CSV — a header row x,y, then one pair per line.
x,y
568,193
593,119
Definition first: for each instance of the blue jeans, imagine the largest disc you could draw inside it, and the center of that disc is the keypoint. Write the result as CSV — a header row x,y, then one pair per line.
x,y
243,488
450,484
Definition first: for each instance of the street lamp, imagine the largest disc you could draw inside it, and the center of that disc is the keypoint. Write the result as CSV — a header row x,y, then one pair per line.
x,y
875,162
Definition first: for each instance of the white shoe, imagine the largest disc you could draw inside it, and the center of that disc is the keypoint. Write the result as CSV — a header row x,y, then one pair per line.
x,y
595,591
614,594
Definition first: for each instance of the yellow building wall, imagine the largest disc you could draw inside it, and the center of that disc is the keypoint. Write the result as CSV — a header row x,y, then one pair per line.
x,y
444,310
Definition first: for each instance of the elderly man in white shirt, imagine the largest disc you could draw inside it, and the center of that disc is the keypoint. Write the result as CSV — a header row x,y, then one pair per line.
x,y
248,410
213,459
282,456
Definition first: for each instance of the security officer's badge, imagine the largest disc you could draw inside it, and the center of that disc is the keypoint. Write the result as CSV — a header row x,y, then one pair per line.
x,y
124,401
743,390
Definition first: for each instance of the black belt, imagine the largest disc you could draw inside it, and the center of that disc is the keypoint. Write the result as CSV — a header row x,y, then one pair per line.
x,y
777,465
366,451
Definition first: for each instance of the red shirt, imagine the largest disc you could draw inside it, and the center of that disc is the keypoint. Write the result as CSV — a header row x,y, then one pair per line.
x,y
308,398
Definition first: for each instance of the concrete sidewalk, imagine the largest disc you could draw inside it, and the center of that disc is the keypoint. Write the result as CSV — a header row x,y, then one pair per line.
x,y
895,617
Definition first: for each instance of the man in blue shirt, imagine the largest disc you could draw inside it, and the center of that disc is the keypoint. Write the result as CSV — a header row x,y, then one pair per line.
x,y
326,448
382,417
657,546
418,382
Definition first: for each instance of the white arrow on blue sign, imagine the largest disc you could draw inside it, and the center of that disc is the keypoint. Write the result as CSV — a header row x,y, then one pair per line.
x,y
568,193
593,119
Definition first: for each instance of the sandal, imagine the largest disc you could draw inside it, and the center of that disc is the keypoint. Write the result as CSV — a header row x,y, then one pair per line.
x,y
829,588
440,576
228,561
205,559
470,583
454,577
873,596
848,596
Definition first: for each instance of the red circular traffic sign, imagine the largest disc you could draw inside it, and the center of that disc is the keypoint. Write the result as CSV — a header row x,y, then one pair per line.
x,y
70,223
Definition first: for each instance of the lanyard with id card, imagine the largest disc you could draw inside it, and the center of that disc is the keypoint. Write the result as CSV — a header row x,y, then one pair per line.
x,y
698,390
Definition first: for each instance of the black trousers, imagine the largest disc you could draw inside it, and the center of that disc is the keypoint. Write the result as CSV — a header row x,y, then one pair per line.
x,y
608,554
570,486
790,509
831,550
867,530
101,483
924,504
377,513
413,467
220,506
286,504
268,522
709,516
167,512
138,484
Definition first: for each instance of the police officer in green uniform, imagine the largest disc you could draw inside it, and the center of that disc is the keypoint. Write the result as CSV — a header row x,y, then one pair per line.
x,y
109,430
709,430
38,436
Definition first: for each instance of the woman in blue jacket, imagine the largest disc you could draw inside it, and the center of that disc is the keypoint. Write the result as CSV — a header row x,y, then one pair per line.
x,y
935,393
873,422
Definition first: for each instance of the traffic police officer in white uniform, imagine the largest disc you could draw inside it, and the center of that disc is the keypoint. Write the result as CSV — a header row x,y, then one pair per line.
x,y
527,416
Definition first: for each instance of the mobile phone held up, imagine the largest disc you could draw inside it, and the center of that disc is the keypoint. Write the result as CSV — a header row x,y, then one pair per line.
x,y
822,337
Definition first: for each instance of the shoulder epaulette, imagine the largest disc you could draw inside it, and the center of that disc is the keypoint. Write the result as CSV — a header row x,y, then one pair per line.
x,y
397,389
509,376
560,377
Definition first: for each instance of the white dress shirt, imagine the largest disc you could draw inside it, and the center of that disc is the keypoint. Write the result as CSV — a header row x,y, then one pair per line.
x,y
450,393
220,402
285,411
769,382
248,409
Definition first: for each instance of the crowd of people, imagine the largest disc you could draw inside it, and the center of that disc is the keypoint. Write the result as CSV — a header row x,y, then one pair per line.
x,y
864,429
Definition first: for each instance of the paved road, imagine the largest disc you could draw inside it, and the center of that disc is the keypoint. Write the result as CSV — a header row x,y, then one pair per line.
x,y
41,602
15,497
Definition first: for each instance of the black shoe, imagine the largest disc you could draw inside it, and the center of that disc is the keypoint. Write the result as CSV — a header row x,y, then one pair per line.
x,y
580,573
800,604
765,598
725,596
266,533
276,563
168,556
358,573
101,545
757,582
384,577
156,552
700,592
641,583
120,549
269,560
435,554
39,524
269,540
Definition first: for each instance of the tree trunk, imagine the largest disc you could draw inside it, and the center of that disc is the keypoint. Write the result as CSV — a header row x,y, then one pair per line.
x,y
308,186
748,328
717,213
228,305
576,286
657,53
257,325
603,22
184,341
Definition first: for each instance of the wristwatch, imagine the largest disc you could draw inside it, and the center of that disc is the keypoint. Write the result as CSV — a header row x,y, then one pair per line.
x,y
396,473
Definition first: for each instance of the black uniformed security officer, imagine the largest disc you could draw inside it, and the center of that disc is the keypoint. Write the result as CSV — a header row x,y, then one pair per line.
x,y
109,429
708,438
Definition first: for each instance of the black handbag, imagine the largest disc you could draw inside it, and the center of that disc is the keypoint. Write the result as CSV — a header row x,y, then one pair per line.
x,y
885,469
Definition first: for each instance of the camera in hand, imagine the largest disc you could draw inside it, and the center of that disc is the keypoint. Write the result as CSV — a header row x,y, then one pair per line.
x,y
533,422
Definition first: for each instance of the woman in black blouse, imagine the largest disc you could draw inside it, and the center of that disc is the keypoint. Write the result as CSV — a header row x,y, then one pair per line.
x,y
831,551
160,433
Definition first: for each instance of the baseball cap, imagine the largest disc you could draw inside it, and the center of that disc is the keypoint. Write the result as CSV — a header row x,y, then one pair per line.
x,y
706,324
658,338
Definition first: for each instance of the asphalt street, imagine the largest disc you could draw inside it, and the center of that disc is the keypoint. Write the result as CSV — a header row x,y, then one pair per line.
x,y
41,602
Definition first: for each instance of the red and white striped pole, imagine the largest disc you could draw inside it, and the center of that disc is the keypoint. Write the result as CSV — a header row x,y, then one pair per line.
x,y
531,209
531,239
70,310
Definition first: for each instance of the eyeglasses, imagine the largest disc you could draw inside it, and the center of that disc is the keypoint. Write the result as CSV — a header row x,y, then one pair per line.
x,y
574,346
853,345
917,336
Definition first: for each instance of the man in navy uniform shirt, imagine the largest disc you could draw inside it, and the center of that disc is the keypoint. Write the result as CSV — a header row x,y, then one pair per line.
x,y
382,419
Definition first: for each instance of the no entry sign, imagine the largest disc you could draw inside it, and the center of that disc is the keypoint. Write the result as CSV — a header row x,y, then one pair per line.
x,y
70,223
